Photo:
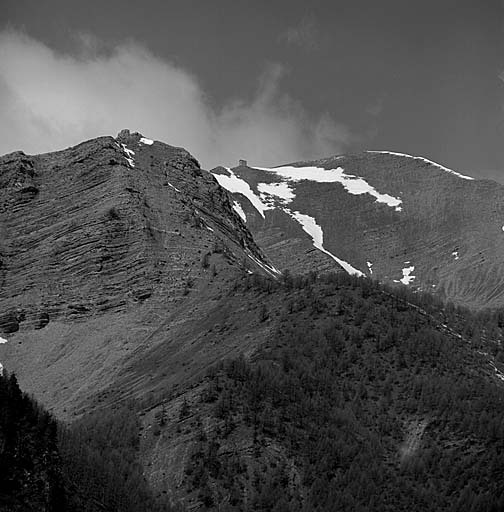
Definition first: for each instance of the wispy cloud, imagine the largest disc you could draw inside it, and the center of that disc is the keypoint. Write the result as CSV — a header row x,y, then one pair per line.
x,y
50,100
305,34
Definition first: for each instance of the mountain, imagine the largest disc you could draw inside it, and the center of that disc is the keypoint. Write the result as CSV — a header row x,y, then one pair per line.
x,y
188,373
390,216
116,258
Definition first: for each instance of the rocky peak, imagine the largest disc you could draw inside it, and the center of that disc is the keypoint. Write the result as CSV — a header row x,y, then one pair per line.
x,y
107,224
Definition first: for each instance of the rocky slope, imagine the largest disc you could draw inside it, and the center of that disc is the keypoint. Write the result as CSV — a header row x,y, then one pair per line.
x,y
107,251
393,217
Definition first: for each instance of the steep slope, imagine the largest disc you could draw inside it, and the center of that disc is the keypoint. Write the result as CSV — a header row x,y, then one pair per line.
x,y
393,217
359,398
107,250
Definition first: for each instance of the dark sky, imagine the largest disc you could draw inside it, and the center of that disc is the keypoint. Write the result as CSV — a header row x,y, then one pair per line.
x,y
324,76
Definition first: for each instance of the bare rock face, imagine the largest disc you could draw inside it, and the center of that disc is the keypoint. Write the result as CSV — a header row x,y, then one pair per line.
x,y
106,224
100,244
397,218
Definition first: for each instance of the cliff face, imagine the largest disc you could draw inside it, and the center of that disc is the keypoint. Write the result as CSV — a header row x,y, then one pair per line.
x,y
98,242
393,217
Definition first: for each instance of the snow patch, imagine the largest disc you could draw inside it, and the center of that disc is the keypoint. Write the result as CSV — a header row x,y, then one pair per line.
x,y
281,190
239,210
369,266
310,226
498,373
407,277
268,268
149,142
455,254
352,184
129,155
3,340
284,193
430,162
236,185
173,187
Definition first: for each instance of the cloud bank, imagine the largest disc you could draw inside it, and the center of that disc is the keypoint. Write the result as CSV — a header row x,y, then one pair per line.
x,y
51,100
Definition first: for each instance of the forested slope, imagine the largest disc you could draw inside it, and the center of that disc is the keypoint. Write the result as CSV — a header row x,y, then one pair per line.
x,y
362,400
89,466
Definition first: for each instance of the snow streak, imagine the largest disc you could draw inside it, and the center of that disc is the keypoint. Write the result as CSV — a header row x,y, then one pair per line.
x,y
430,162
311,227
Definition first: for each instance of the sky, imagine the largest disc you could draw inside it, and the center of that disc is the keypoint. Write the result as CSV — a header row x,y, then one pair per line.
x,y
272,81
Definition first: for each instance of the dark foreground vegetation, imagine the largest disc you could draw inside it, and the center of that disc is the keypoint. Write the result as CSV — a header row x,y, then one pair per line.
x,y
90,466
364,399
30,466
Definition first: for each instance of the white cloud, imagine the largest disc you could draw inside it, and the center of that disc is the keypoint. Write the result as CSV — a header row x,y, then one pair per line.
x,y
49,101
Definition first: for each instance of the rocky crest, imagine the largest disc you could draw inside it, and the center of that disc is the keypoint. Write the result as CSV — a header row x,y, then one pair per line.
x,y
106,224
104,245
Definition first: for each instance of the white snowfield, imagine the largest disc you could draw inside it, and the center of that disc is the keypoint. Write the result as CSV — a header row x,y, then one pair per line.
x,y
236,185
270,194
3,340
435,164
352,184
280,190
149,142
407,277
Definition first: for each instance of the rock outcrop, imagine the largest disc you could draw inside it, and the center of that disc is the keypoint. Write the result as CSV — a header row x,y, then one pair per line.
x,y
103,246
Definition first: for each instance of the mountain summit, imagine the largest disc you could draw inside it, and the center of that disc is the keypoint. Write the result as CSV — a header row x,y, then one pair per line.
x,y
398,218
104,246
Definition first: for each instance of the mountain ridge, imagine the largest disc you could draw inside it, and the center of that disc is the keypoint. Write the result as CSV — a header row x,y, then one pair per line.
x,y
387,215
